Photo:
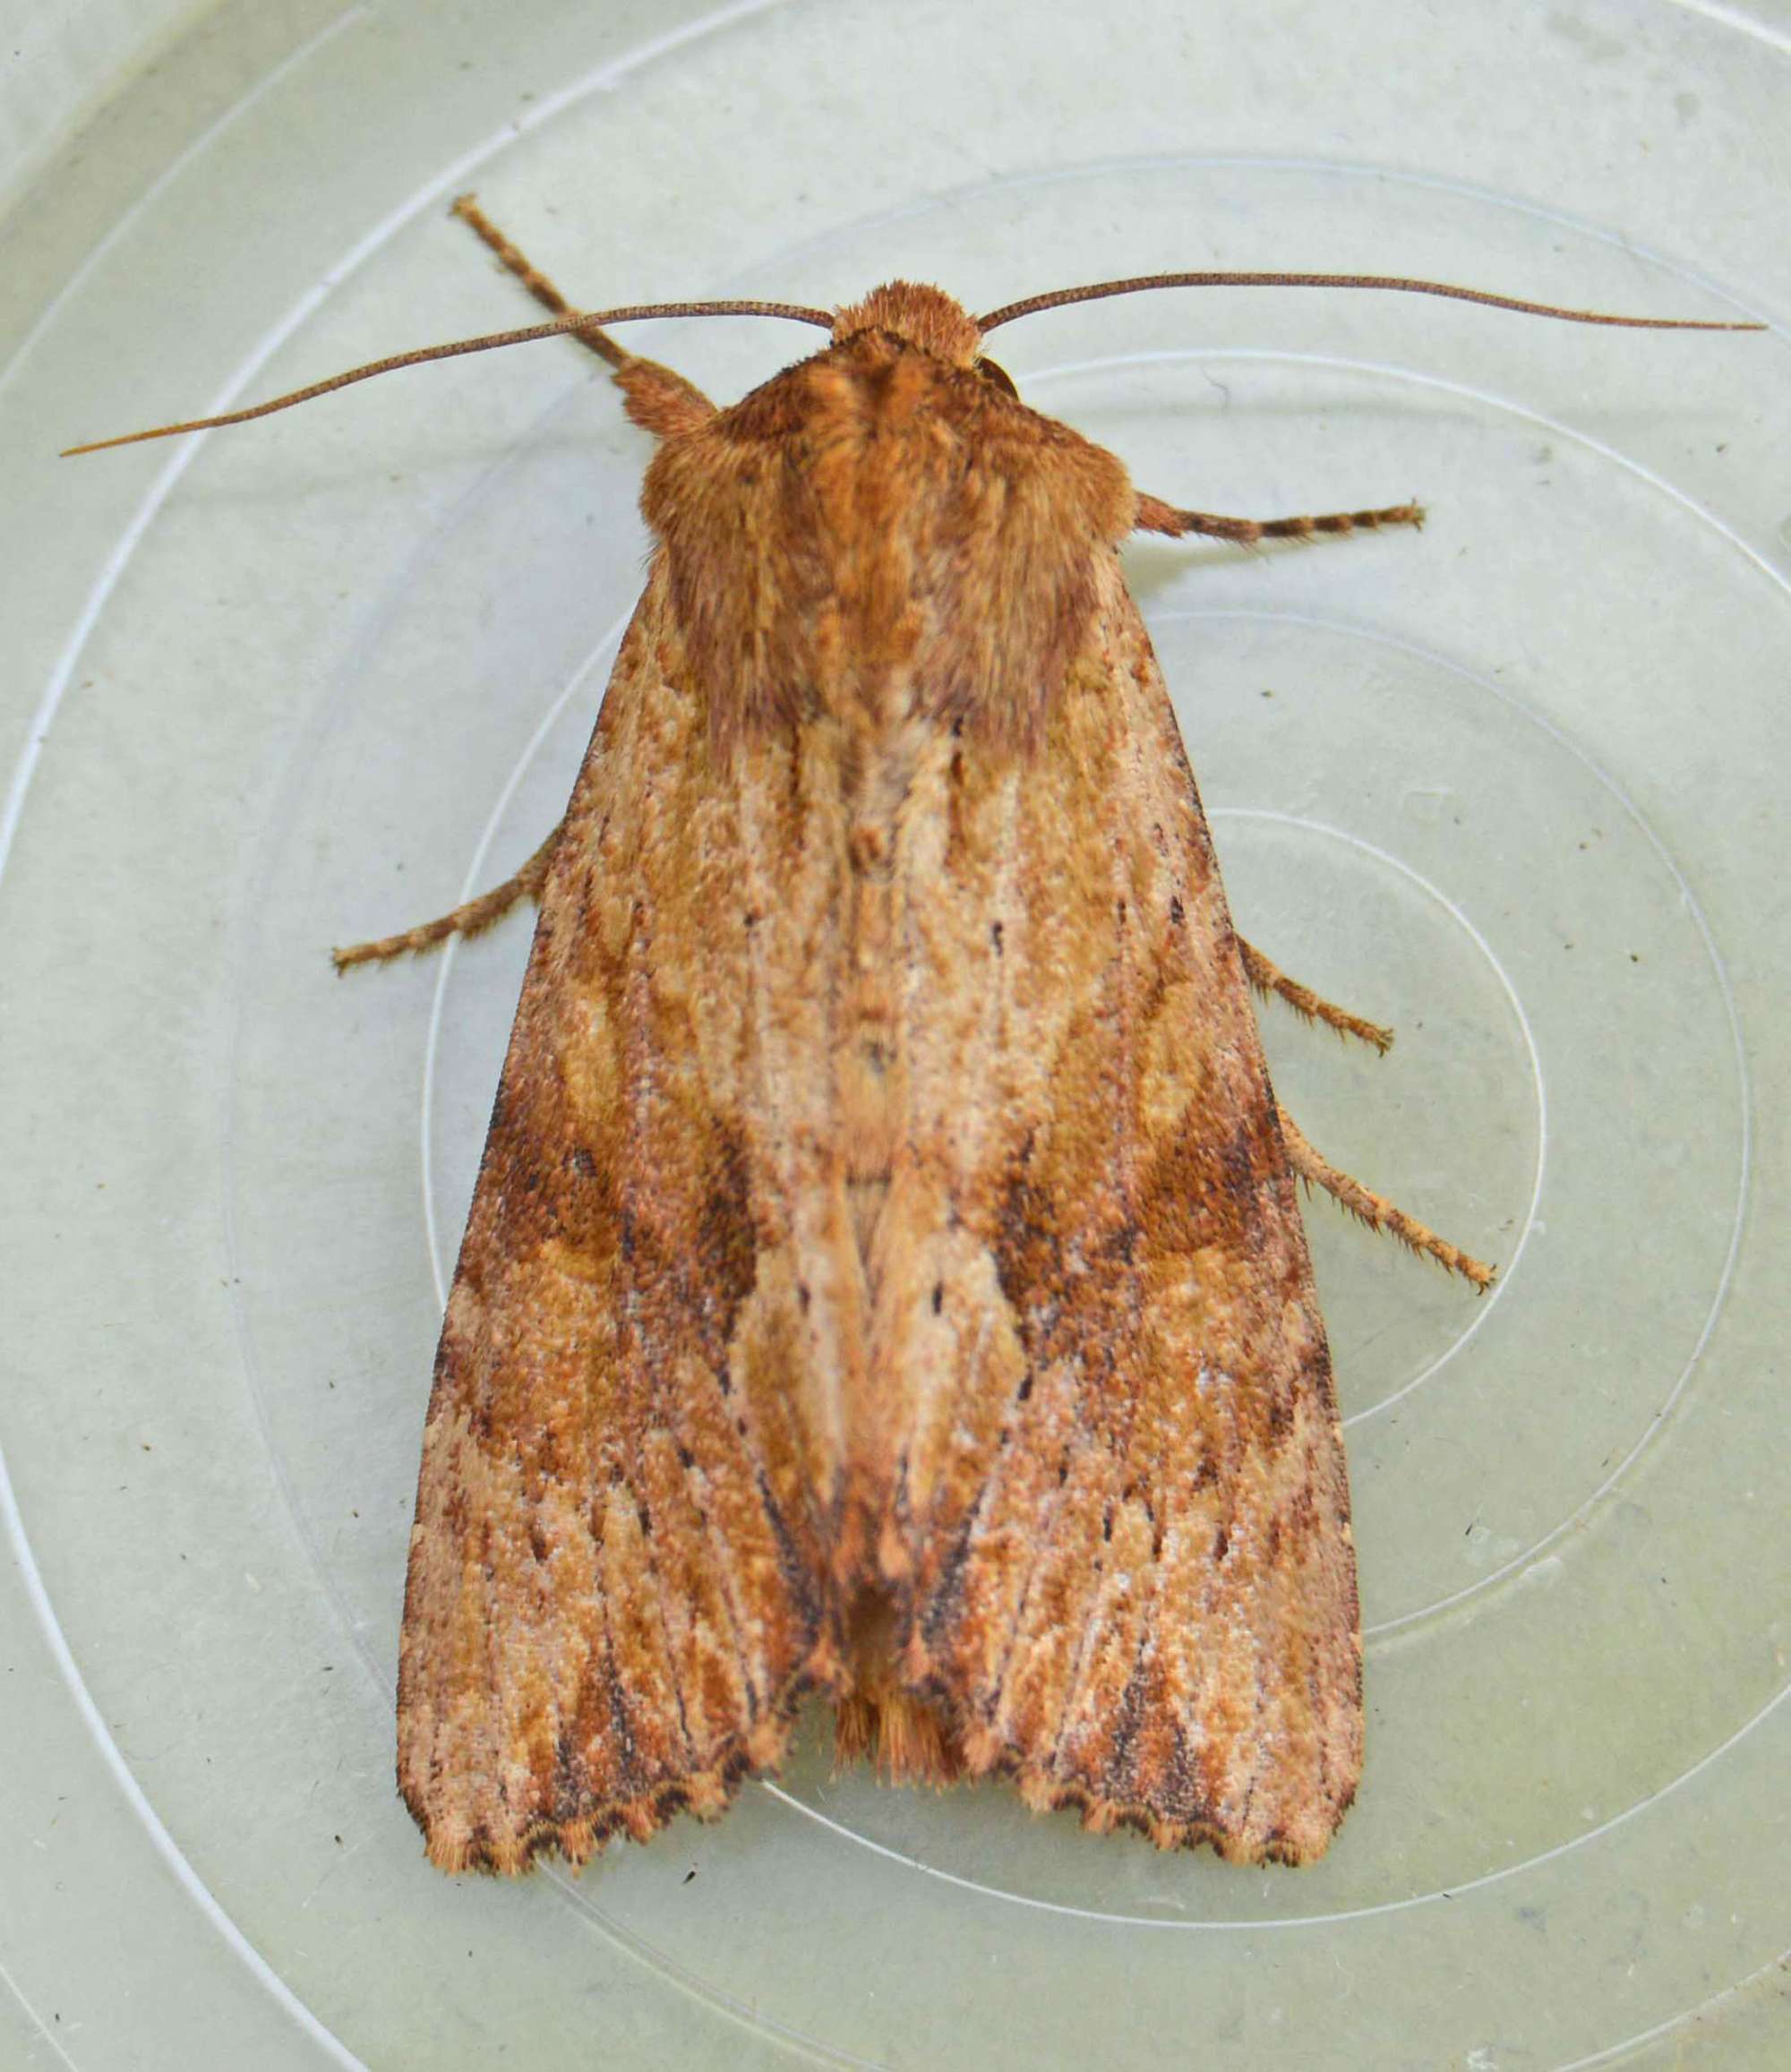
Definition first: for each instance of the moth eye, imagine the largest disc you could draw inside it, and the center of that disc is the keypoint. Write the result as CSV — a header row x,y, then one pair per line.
x,y
999,376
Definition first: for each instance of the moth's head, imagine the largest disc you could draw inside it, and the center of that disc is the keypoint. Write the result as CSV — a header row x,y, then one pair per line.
x,y
926,317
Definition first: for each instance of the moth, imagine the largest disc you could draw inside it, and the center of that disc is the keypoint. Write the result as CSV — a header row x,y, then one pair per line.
x,y
885,1282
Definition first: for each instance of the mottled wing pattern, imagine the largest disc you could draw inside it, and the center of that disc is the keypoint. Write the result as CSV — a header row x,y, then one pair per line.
x,y
1117,1524
617,1591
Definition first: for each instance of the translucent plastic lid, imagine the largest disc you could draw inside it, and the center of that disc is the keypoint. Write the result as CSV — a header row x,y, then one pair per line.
x,y
1515,784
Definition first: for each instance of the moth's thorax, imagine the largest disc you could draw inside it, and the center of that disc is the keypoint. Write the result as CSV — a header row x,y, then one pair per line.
x,y
882,530
926,317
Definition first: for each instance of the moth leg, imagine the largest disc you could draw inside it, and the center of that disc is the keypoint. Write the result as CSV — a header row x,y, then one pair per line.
x,y
1267,977
1374,1210
1155,516
657,399
470,920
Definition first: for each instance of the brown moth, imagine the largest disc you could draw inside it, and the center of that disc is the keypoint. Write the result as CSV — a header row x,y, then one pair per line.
x,y
885,1282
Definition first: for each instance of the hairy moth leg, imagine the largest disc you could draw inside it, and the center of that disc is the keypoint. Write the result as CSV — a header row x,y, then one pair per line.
x,y
467,208
1155,516
658,399
472,919
1267,977
1374,1210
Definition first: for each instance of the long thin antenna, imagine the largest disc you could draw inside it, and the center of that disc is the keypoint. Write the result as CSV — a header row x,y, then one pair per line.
x,y
1060,297
576,322
594,322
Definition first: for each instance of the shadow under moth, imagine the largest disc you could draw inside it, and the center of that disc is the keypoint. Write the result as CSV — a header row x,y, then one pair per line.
x,y
886,1280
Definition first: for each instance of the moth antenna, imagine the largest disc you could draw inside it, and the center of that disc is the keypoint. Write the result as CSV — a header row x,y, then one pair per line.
x,y
575,321
1059,298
